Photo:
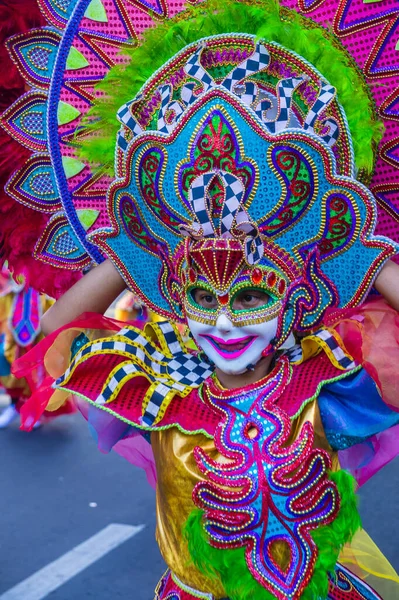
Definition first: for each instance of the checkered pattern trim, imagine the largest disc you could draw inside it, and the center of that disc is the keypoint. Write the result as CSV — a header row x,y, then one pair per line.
x,y
326,96
190,92
121,141
331,136
248,93
170,110
258,61
125,116
295,353
285,90
233,214
259,100
194,69
199,199
344,361
233,196
274,110
170,371
330,343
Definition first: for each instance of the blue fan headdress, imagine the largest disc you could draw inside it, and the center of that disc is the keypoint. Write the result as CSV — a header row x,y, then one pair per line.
x,y
257,157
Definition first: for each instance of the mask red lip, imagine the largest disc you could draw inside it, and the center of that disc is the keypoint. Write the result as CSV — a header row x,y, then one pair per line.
x,y
232,342
230,348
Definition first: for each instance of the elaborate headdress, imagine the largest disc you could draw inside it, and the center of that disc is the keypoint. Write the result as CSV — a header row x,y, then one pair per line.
x,y
244,147
251,137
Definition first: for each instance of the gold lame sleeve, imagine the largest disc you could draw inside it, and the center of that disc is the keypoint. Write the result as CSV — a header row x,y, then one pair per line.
x,y
177,475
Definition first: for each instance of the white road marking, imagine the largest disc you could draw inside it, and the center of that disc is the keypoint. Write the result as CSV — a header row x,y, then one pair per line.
x,y
55,574
4,400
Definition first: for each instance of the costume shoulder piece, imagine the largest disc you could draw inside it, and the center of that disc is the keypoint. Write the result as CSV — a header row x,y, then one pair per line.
x,y
141,377
129,373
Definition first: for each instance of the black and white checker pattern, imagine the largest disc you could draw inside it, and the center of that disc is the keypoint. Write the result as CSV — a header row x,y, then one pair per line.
x,y
258,61
332,134
248,93
233,213
198,197
189,93
234,194
285,90
194,69
295,353
275,112
254,248
178,371
342,359
125,117
326,96
346,363
168,106
121,140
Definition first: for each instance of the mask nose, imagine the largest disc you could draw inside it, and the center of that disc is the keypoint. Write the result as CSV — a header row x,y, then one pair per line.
x,y
223,324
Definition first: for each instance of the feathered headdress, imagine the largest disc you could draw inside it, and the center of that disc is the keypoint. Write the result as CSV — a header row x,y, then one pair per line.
x,y
282,93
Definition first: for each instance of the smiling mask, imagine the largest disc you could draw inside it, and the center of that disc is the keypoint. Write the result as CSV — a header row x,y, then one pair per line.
x,y
233,319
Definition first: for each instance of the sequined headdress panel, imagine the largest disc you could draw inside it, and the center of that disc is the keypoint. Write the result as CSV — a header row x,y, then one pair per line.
x,y
236,143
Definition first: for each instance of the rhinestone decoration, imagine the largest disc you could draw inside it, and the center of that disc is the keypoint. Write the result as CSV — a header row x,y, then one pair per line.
x,y
39,57
198,176
266,492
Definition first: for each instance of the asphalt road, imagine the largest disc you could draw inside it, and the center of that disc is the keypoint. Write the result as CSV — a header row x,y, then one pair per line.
x,y
49,478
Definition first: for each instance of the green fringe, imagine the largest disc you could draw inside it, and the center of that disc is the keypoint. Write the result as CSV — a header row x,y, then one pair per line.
x,y
266,20
230,568
227,566
331,538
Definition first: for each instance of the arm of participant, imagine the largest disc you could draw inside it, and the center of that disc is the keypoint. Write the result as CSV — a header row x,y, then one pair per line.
x,y
93,293
387,283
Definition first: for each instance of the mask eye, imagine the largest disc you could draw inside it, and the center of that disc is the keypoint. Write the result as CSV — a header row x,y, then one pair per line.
x,y
250,299
204,298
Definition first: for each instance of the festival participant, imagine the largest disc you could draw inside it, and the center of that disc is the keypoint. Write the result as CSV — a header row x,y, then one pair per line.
x,y
130,309
239,208
20,311
21,306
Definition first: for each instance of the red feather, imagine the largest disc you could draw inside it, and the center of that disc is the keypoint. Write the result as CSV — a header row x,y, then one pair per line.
x,y
19,225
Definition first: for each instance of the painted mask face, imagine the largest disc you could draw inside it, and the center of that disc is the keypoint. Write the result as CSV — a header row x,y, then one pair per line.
x,y
235,328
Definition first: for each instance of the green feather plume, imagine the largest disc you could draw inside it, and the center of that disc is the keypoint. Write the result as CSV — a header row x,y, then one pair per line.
x,y
266,20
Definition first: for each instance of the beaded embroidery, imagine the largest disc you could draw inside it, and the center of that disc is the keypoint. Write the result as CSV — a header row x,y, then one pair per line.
x,y
345,585
267,494
167,366
63,62
212,147
25,315
69,58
